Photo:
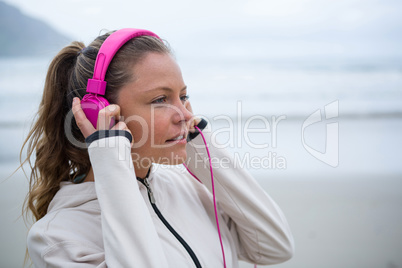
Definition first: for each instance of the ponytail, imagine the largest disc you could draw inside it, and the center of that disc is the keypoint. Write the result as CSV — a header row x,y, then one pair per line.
x,y
47,136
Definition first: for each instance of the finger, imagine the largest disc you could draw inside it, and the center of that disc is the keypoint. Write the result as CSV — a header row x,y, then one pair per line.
x,y
120,126
106,114
123,126
193,122
197,120
80,118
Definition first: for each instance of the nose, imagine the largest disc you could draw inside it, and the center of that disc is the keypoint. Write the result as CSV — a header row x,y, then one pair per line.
x,y
181,113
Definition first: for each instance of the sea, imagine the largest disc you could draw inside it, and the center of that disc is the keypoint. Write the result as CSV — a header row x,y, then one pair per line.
x,y
321,136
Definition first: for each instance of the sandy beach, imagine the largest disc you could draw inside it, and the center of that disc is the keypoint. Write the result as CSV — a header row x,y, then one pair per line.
x,y
336,221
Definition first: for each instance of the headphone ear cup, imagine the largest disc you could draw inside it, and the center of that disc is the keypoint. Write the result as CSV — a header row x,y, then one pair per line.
x,y
91,104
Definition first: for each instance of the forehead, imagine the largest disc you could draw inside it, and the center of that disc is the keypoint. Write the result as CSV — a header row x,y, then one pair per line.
x,y
157,70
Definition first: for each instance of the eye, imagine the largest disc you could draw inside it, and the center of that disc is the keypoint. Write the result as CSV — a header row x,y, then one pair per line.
x,y
185,98
160,100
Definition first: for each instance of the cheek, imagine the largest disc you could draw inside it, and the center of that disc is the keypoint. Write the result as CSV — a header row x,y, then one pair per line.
x,y
137,130
145,127
160,127
139,127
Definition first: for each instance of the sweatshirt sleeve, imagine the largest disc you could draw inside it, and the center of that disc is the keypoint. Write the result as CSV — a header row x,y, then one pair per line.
x,y
129,234
258,225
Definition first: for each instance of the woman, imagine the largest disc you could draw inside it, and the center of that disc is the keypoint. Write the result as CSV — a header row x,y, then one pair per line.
x,y
109,204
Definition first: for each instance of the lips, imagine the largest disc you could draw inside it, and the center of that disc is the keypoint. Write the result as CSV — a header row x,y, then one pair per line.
x,y
182,135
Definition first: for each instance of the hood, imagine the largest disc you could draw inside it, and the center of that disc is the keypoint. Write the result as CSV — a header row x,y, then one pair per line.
x,y
72,195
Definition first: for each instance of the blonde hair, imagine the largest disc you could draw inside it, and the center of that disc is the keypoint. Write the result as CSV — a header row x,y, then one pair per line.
x,y
56,158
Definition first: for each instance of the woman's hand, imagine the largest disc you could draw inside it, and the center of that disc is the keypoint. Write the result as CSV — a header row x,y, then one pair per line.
x,y
104,118
194,120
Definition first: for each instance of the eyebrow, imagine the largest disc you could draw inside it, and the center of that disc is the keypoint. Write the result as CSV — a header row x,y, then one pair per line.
x,y
165,89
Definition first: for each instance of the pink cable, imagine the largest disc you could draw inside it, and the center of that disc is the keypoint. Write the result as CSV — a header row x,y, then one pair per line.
x,y
195,177
213,194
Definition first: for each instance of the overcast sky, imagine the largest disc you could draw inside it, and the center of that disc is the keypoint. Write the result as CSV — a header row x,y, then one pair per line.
x,y
246,28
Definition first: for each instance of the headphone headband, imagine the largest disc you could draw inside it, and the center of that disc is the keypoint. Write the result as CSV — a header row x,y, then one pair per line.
x,y
109,48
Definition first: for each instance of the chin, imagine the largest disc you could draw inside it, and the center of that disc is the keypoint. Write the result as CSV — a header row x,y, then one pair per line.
x,y
174,158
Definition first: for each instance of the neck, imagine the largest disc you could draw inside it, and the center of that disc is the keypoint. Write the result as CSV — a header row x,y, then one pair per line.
x,y
90,175
141,172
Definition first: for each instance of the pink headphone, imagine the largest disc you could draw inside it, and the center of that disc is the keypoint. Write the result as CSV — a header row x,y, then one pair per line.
x,y
93,102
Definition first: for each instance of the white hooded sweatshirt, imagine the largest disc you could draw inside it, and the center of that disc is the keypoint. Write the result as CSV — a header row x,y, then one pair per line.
x,y
111,222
